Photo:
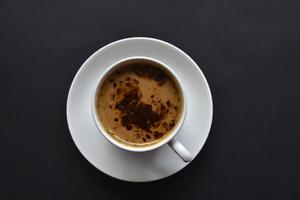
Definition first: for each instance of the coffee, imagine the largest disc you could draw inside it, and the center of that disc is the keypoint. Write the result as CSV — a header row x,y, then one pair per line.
x,y
139,103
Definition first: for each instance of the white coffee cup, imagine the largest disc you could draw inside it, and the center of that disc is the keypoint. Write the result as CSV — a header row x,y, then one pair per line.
x,y
180,150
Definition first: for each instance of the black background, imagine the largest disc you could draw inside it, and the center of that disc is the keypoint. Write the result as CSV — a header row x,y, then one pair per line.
x,y
250,55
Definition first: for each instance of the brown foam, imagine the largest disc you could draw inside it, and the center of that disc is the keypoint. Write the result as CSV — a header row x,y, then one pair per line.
x,y
139,104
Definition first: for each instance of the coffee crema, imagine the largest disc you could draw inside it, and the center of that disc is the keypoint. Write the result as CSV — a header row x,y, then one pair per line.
x,y
139,103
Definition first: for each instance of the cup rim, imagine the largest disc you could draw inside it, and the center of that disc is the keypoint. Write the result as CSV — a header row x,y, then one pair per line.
x,y
100,126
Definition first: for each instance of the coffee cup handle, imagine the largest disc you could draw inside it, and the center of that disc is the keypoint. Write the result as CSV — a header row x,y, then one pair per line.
x,y
180,150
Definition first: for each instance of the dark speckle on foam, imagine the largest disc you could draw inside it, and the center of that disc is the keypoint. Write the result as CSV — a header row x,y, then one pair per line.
x,y
137,113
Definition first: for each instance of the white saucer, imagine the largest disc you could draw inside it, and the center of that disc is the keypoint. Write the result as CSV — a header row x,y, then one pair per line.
x,y
130,166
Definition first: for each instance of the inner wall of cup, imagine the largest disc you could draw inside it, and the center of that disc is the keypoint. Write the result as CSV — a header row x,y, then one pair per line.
x,y
157,64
